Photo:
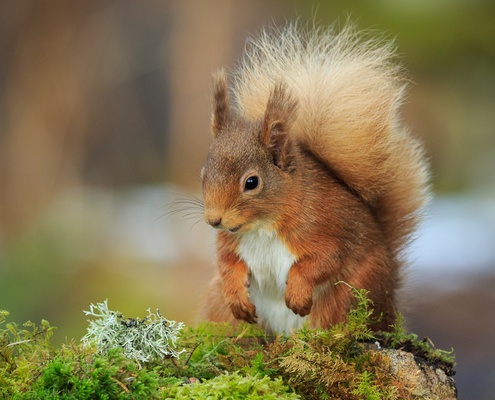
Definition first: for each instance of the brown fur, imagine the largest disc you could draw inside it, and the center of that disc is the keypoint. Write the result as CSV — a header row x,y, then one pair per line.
x,y
341,181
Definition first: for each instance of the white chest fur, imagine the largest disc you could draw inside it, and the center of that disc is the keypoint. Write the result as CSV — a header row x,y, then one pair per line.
x,y
269,261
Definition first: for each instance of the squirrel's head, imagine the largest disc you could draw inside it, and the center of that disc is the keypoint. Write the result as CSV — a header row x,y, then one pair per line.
x,y
250,164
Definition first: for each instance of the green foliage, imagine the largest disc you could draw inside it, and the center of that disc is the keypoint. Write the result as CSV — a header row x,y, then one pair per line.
x,y
366,389
398,334
23,350
219,361
80,374
232,386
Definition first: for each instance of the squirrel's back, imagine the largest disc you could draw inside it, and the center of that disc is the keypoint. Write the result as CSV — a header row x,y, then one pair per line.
x,y
348,91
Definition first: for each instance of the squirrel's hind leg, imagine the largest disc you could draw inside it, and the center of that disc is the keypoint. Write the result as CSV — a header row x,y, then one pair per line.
x,y
215,308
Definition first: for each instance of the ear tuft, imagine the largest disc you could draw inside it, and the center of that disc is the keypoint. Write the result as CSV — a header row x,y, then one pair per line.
x,y
279,114
221,112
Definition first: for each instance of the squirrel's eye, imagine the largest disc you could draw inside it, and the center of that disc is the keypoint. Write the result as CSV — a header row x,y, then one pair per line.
x,y
251,183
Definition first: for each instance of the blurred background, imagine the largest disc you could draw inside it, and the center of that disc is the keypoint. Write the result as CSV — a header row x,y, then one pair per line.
x,y
104,126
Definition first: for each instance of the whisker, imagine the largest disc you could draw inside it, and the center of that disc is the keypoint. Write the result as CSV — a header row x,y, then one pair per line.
x,y
193,214
198,221
187,206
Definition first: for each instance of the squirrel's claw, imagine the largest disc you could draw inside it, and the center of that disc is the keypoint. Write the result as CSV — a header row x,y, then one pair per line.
x,y
298,298
300,309
244,310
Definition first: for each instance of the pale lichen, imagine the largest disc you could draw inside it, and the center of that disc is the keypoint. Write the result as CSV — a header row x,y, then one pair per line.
x,y
149,339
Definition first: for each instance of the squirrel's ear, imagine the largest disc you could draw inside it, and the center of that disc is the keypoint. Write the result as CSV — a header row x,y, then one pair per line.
x,y
221,111
279,113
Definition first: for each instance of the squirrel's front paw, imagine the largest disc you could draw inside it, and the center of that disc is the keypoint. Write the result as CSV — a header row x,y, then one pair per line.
x,y
243,309
299,296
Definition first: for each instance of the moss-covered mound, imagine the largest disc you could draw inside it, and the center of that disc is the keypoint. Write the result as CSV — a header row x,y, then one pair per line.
x,y
218,362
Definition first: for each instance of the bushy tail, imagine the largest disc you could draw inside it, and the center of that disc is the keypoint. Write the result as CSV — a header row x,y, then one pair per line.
x,y
349,92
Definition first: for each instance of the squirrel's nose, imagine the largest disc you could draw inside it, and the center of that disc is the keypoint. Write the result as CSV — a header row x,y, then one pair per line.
x,y
214,221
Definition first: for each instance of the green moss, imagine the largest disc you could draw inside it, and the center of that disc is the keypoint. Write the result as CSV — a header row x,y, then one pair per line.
x,y
231,386
367,389
219,361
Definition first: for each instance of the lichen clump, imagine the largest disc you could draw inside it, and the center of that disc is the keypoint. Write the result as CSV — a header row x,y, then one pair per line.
x,y
151,338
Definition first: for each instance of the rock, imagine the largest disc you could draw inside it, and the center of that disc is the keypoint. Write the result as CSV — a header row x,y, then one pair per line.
x,y
420,378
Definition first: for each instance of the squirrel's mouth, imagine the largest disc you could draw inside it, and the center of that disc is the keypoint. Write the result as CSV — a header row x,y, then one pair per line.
x,y
236,228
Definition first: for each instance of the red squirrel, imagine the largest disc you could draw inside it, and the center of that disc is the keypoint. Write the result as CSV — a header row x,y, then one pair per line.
x,y
311,179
